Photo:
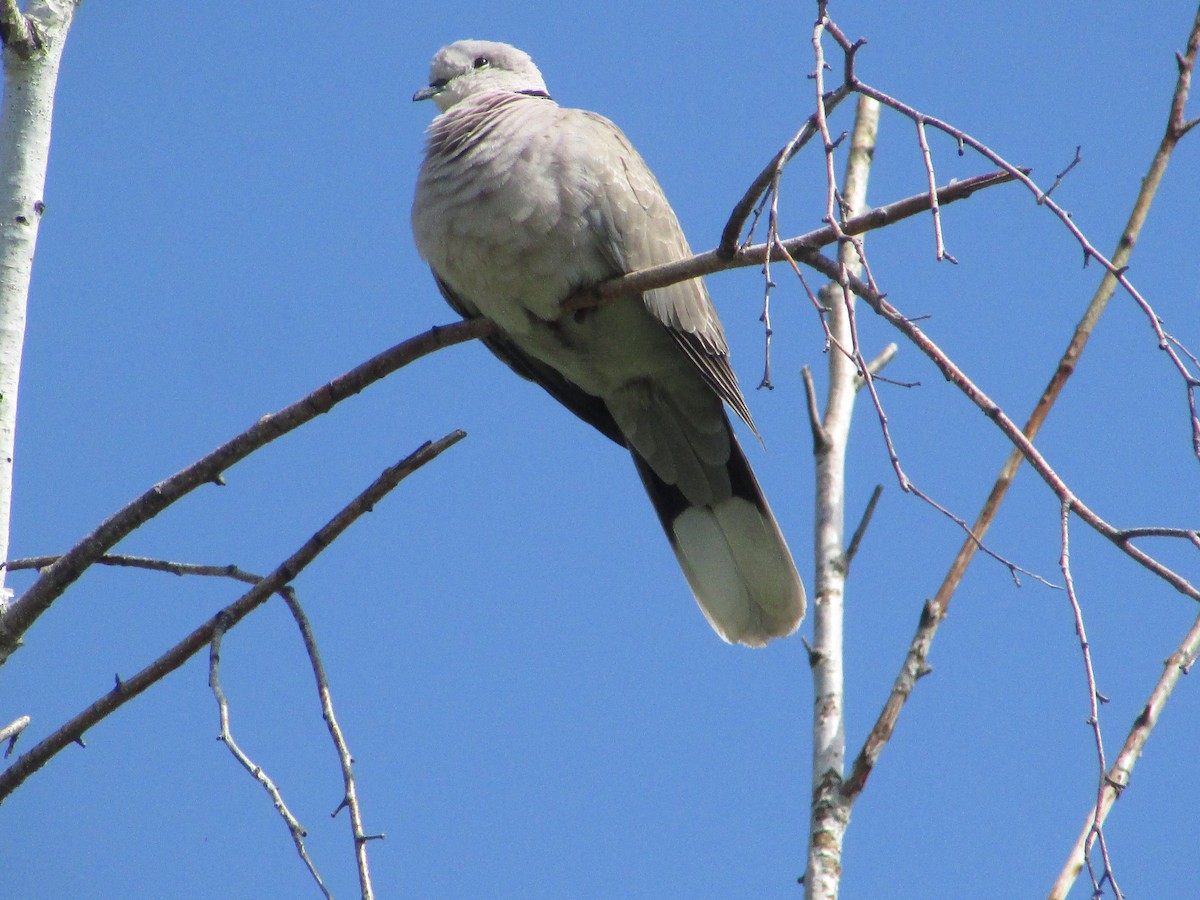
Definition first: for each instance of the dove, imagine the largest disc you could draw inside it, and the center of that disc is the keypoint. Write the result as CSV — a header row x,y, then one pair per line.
x,y
521,204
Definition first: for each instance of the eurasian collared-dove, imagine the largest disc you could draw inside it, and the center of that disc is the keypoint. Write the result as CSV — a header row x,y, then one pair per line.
x,y
519,205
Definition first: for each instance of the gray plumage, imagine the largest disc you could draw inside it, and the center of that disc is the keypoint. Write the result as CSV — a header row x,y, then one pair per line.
x,y
521,203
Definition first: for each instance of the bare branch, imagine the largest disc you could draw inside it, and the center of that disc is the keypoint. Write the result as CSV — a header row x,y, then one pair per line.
x,y
1090,252
992,410
940,248
730,235
11,732
931,619
913,668
32,760
1121,771
876,365
862,525
1014,570
711,261
350,797
289,596
820,439
256,771
1187,534
830,809
1058,179
20,615
1096,832
119,560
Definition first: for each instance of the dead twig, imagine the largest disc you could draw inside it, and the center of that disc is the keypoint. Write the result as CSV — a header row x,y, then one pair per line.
x,y
1096,831
350,797
295,829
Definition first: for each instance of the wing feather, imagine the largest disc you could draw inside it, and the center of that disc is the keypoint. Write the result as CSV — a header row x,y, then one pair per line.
x,y
643,231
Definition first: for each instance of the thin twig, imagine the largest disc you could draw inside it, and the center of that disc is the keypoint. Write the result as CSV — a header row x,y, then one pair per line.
x,y
289,596
1058,179
728,244
122,560
1187,534
1121,771
295,829
820,439
1090,252
350,797
877,365
1097,832
852,549
940,247
1014,570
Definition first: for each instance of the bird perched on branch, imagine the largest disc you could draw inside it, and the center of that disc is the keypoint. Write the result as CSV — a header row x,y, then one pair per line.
x,y
520,204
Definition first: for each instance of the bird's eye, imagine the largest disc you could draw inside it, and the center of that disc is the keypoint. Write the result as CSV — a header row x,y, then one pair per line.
x,y
481,61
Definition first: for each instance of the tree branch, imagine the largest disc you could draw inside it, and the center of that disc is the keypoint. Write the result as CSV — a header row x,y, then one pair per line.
x,y
710,262
992,410
20,615
295,829
1121,771
350,798
32,760
935,610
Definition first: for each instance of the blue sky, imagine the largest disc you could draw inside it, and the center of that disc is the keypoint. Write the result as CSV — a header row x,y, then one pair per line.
x,y
536,707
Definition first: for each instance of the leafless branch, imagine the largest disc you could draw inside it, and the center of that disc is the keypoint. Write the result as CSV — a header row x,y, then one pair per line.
x,y
830,809
820,439
121,560
861,530
1121,771
935,610
769,176
992,410
876,365
1187,534
350,797
11,732
19,616
295,829
712,261
124,691
940,248
1097,832
1058,179
288,594
1090,252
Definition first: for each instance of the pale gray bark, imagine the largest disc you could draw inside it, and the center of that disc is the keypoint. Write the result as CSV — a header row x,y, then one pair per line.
x,y
32,52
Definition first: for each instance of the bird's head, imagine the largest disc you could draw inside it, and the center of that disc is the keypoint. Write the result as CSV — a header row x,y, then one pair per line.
x,y
468,68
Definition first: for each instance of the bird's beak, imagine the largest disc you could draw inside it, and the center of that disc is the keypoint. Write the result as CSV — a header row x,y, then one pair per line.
x,y
427,93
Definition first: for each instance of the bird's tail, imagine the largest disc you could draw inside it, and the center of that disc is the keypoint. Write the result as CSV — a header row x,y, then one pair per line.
x,y
733,555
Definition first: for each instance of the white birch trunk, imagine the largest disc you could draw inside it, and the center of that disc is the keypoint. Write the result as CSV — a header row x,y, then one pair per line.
x,y
830,809
32,52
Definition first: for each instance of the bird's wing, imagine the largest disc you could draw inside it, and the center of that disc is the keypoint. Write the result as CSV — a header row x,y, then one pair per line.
x,y
642,230
591,409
